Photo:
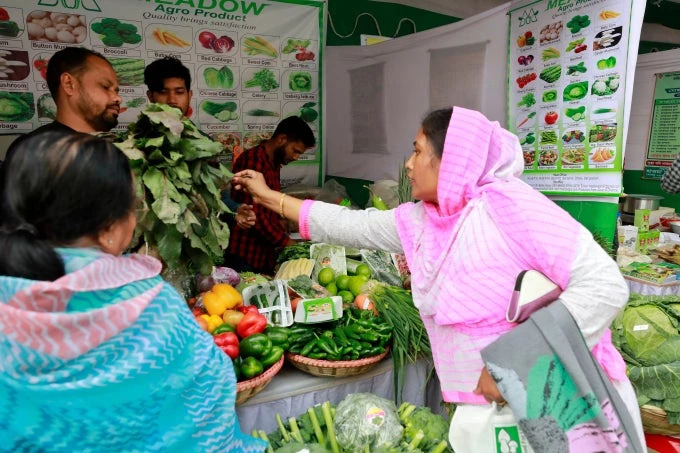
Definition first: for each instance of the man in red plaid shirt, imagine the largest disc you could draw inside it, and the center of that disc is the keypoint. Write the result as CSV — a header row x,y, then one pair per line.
x,y
255,249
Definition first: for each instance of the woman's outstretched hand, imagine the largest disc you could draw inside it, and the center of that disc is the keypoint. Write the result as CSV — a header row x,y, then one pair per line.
x,y
253,182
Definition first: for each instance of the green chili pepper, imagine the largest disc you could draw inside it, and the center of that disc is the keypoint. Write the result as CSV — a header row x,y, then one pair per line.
x,y
340,337
327,345
317,355
308,348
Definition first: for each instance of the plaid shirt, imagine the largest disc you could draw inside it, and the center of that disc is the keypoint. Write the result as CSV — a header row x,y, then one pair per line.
x,y
670,182
257,245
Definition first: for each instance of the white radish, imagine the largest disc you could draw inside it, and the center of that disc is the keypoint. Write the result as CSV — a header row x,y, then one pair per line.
x,y
35,31
65,37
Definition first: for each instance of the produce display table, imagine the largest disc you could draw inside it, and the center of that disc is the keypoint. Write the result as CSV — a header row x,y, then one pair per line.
x,y
652,289
292,392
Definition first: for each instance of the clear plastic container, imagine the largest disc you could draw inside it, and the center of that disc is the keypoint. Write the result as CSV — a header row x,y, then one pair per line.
x,y
271,299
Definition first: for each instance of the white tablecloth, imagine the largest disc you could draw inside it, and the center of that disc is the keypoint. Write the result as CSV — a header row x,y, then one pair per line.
x,y
292,392
647,289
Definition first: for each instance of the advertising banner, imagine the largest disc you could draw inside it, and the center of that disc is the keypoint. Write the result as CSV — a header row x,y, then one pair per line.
x,y
664,133
567,73
252,62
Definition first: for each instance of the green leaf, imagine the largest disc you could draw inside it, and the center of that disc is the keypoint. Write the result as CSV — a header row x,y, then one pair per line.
x,y
221,231
154,142
169,117
169,242
167,210
192,149
128,148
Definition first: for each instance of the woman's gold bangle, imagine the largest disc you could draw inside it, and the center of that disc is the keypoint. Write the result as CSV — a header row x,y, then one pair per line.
x,y
283,195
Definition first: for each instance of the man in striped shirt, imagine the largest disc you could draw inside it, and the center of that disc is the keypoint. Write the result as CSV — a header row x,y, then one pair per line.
x,y
255,249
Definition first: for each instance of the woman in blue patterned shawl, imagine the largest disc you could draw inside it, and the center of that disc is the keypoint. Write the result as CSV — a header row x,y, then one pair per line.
x,y
97,352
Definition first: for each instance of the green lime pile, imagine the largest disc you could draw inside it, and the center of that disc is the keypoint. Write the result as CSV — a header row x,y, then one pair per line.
x,y
346,286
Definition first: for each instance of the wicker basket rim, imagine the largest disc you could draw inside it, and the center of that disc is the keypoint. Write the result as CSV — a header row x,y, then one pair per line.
x,y
336,364
261,379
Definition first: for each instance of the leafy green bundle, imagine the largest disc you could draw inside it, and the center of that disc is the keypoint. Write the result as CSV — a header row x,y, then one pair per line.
x,y
177,177
647,332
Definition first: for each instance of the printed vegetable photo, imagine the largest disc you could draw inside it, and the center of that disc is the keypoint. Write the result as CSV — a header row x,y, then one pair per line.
x,y
56,27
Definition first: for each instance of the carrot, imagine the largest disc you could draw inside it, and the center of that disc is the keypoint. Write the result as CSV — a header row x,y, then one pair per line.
x,y
524,121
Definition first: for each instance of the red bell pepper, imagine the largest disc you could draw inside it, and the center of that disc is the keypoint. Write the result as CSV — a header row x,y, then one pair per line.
x,y
252,323
248,309
227,342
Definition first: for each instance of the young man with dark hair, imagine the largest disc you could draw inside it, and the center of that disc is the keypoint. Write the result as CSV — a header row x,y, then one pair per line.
x,y
169,82
255,249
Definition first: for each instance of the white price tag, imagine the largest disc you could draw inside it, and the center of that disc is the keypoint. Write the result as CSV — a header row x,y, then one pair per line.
x,y
640,327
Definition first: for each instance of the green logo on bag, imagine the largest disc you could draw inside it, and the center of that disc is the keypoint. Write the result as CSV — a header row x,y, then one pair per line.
x,y
507,439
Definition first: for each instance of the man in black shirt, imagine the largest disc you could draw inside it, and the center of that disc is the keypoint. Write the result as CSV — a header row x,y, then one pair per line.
x,y
85,89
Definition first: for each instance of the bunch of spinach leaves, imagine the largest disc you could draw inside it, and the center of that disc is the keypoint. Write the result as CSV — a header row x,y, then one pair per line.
x,y
178,180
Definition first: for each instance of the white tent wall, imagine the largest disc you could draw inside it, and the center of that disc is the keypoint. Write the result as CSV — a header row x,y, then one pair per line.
x,y
406,86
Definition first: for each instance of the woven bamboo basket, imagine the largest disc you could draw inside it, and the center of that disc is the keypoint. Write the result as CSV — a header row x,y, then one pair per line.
x,y
329,368
251,387
654,421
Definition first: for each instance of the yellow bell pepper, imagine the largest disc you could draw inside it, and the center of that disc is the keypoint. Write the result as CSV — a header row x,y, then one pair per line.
x,y
214,321
220,298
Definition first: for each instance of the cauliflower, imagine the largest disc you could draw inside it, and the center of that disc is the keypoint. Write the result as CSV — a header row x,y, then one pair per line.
x,y
599,87
614,83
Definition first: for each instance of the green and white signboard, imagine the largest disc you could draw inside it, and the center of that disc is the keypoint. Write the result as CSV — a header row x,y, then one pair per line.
x,y
664,133
566,93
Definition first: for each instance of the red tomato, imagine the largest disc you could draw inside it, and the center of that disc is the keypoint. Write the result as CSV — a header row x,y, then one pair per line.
x,y
551,117
4,15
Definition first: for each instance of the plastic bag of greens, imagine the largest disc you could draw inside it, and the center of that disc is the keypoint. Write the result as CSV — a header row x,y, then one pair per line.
x,y
365,420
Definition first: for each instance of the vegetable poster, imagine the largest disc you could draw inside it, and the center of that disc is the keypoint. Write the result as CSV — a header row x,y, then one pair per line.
x,y
567,68
664,134
252,62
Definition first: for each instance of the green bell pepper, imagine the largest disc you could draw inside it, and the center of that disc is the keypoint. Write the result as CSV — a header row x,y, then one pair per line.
x,y
256,345
224,328
251,367
274,355
237,368
278,336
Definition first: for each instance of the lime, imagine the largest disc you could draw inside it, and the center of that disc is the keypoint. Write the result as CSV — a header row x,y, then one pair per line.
x,y
332,289
326,276
356,284
342,281
364,270
347,297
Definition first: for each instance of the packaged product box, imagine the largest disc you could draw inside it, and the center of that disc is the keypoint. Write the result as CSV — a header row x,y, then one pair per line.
x,y
647,241
641,220
655,273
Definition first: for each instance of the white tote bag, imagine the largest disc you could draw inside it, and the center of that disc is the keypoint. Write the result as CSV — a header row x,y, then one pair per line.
x,y
486,429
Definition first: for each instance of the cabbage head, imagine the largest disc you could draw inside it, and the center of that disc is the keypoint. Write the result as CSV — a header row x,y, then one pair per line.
x,y
646,333
366,420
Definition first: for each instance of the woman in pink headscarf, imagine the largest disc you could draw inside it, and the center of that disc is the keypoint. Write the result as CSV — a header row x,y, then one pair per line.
x,y
476,227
